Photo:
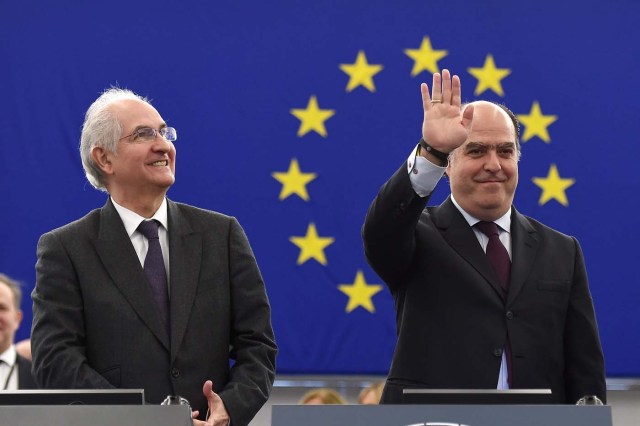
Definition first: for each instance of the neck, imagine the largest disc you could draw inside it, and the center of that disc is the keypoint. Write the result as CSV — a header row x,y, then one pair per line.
x,y
4,347
144,206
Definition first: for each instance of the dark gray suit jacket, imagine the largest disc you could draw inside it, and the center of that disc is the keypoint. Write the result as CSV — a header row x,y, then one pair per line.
x,y
95,325
451,316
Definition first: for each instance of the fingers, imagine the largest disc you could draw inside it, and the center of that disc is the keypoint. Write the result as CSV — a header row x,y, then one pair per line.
x,y
446,87
456,91
195,414
436,88
426,99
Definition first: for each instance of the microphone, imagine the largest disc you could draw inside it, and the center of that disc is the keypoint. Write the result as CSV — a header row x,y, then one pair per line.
x,y
589,400
177,400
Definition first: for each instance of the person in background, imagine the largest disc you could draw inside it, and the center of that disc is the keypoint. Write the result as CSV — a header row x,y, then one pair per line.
x,y
23,347
322,396
15,370
146,292
371,395
485,296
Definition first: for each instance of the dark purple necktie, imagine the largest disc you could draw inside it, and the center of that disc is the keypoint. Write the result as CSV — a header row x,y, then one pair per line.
x,y
155,270
499,258
497,253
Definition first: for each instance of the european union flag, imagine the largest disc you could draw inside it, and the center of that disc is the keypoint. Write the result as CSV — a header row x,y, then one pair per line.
x,y
292,114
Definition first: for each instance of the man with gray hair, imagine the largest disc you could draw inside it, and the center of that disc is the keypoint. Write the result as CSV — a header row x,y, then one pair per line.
x,y
146,292
15,370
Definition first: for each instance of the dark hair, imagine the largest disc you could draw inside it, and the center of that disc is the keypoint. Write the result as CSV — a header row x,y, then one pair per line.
x,y
514,120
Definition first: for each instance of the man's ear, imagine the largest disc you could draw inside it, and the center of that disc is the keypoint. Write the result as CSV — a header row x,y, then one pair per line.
x,y
102,159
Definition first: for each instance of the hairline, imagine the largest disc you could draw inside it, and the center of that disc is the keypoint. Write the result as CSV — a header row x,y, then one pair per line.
x,y
15,288
102,128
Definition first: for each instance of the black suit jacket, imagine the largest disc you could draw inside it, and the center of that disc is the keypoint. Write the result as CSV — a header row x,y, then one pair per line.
x,y
95,325
451,316
25,378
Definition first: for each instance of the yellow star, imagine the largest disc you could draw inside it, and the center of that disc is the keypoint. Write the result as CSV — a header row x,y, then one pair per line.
x,y
553,187
536,124
361,73
294,181
312,118
425,58
360,293
489,76
312,246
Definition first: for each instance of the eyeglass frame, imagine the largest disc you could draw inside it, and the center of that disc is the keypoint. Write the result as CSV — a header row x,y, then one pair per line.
x,y
164,132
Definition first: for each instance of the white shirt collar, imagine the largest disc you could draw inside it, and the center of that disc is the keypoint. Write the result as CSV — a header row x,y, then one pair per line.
x,y
132,219
503,222
9,356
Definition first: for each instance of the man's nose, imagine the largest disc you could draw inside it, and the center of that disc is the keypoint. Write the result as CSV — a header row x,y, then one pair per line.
x,y
160,143
492,162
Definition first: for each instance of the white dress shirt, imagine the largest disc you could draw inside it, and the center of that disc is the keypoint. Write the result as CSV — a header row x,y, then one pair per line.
x,y
9,369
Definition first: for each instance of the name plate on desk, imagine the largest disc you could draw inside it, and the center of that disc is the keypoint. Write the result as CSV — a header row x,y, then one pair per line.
x,y
440,415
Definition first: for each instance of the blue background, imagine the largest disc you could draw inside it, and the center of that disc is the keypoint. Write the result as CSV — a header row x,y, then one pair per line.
x,y
227,73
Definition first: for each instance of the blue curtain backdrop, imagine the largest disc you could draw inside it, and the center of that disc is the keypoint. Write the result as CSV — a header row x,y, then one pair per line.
x,y
291,114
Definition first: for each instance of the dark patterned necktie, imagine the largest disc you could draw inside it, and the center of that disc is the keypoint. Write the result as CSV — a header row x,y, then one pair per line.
x,y
497,253
155,270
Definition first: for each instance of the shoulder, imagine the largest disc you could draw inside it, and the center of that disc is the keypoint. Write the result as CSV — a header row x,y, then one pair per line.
x,y
199,217
542,231
90,221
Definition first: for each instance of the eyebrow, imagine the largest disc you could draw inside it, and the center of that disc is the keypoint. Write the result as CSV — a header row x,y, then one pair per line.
x,y
144,126
475,145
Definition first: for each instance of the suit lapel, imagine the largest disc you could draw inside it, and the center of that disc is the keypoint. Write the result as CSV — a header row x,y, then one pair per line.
x,y
524,246
185,252
121,262
457,232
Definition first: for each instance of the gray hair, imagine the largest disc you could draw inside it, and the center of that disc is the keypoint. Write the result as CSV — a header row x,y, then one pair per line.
x,y
101,128
14,286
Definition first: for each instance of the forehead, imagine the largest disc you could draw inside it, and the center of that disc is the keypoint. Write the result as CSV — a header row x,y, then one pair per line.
x,y
132,113
6,295
490,124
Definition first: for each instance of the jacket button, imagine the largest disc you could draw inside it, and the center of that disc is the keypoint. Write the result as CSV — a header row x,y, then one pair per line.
x,y
510,315
175,372
497,352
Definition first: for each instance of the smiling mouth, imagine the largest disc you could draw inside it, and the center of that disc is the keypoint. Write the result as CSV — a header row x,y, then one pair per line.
x,y
160,163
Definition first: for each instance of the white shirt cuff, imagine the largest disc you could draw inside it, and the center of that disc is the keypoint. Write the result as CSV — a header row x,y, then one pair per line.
x,y
423,174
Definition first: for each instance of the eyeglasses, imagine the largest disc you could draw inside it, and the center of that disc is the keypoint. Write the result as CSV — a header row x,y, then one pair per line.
x,y
147,134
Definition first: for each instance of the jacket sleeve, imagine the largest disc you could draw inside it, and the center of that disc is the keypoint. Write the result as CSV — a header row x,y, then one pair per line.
x,y
253,347
389,230
584,361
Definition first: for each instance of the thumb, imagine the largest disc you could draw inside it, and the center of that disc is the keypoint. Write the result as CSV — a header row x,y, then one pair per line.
x,y
207,389
467,116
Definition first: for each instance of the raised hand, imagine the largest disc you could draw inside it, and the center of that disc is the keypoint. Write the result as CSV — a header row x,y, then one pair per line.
x,y
444,127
